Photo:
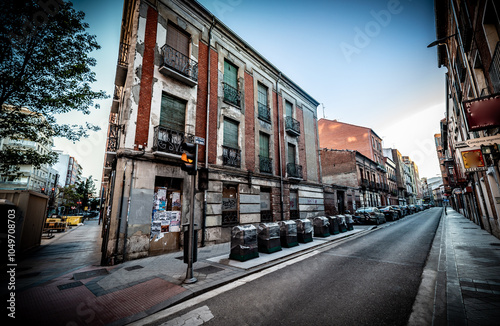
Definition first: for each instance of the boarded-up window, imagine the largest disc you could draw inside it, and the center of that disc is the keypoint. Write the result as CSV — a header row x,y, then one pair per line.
x,y
230,133
178,39
173,113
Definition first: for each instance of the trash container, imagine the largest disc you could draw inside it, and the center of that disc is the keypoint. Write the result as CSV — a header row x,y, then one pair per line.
x,y
268,237
349,221
304,230
244,243
288,234
342,224
334,225
321,226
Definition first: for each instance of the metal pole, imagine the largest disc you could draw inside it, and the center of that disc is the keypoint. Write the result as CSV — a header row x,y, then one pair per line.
x,y
189,273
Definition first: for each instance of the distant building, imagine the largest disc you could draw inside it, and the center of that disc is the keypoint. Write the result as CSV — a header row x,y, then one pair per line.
x,y
27,176
392,181
69,169
338,135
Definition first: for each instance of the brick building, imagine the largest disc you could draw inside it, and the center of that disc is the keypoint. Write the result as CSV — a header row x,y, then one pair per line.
x,y
343,136
183,74
468,45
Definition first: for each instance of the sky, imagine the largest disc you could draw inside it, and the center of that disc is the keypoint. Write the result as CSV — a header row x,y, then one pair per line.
x,y
365,61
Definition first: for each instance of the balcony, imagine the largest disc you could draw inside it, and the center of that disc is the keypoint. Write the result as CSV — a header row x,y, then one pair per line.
x,y
372,185
178,66
264,112
231,94
122,64
365,183
265,164
294,171
116,98
112,144
231,156
170,141
292,126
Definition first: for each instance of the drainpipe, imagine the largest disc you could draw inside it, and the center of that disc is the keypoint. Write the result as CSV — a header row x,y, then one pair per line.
x,y
121,211
279,145
203,221
128,209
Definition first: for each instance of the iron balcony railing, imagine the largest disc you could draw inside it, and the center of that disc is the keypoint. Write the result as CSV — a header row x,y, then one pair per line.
x,y
365,183
265,164
123,54
294,171
264,112
112,145
495,69
231,94
231,156
292,126
179,62
170,141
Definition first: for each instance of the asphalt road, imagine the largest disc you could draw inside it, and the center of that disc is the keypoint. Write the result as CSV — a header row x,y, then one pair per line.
x,y
368,280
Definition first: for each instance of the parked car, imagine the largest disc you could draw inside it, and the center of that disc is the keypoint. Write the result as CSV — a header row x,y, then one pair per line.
x,y
405,210
370,215
413,209
389,213
427,206
398,210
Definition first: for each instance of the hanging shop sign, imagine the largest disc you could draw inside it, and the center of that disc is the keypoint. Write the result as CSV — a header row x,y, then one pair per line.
x,y
483,113
473,161
477,142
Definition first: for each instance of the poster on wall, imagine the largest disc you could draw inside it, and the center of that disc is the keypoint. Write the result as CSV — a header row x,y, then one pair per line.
x,y
166,216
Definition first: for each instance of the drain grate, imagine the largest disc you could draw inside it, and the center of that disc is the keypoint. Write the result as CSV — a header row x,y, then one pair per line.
x,y
132,268
208,270
470,228
495,244
89,274
69,285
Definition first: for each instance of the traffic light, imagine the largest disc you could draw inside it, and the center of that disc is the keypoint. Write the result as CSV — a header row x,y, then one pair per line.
x,y
43,190
203,179
189,158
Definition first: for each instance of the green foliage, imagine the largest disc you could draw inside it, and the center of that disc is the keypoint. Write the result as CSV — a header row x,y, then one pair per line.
x,y
44,66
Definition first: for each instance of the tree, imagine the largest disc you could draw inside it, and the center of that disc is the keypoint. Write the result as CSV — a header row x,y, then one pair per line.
x,y
85,190
44,66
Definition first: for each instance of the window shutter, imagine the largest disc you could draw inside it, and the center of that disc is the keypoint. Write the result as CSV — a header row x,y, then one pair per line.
x,y
173,113
288,109
230,74
291,153
178,39
230,133
262,94
264,145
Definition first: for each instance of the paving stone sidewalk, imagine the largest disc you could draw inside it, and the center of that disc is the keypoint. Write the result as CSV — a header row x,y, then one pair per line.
x,y
472,272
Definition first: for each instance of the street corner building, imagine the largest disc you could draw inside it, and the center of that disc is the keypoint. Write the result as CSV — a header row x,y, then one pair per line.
x,y
184,77
468,45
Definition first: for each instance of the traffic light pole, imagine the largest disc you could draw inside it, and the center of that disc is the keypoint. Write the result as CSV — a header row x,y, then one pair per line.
x,y
189,273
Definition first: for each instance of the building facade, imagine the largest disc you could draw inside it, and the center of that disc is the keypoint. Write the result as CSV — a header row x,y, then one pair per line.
x,y
468,44
185,77
334,134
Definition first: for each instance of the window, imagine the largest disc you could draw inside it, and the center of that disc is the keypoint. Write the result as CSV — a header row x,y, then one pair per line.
x,y
178,39
230,133
288,109
173,113
230,84
264,111
265,163
229,204
291,153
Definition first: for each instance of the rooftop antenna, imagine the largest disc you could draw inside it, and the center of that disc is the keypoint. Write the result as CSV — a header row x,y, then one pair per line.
x,y
323,111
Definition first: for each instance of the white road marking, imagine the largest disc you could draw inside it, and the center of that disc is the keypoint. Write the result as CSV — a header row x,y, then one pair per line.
x,y
195,317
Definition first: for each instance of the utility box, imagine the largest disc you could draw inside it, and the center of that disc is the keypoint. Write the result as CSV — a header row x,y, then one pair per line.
x,y
244,243
334,225
321,226
304,230
186,245
269,240
288,234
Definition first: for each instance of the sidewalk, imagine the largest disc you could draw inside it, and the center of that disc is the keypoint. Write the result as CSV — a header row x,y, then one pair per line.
x,y
118,295
467,261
